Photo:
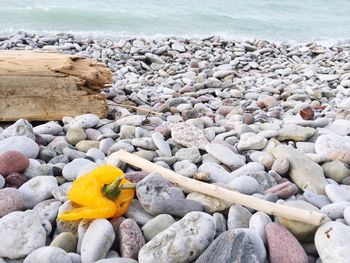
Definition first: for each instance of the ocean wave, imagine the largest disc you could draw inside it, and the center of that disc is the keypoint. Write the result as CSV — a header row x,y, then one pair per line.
x,y
298,20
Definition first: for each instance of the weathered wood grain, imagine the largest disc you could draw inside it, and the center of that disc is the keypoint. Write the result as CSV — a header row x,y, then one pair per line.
x,y
48,86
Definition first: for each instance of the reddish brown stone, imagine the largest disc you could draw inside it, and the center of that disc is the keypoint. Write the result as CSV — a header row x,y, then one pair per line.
x,y
283,246
307,113
130,239
283,190
15,180
13,161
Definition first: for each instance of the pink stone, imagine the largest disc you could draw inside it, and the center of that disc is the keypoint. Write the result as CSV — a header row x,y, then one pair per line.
x,y
10,200
92,134
130,239
342,155
270,102
283,246
13,161
224,110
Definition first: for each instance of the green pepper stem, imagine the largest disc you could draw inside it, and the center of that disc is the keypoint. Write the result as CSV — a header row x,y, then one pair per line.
x,y
111,191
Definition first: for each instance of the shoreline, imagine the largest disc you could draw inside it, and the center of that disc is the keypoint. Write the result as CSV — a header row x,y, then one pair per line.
x,y
113,36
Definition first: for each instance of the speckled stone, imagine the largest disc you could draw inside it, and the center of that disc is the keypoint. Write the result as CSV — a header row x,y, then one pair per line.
x,y
182,242
21,127
20,234
158,196
48,209
185,168
10,200
189,136
332,241
236,245
283,246
130,239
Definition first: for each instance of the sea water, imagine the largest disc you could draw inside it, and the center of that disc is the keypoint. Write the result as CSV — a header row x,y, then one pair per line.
x,y
274,20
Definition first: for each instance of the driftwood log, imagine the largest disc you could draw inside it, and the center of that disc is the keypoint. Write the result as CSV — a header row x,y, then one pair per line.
x,y
48,86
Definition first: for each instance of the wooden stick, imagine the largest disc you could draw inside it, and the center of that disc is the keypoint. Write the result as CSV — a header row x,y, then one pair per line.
x,y
292,213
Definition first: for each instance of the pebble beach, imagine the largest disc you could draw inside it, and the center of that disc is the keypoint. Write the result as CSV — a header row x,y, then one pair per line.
x,y
266,119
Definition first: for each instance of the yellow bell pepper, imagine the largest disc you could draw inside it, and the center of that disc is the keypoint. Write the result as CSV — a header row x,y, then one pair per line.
x,y
102,193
